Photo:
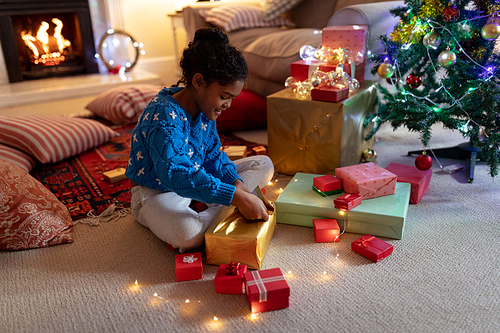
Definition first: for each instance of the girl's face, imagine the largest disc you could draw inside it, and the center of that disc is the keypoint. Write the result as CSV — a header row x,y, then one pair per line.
x,y
214,98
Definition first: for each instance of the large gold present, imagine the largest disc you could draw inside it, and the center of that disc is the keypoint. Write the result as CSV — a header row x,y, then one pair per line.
x,y
231,237
315,136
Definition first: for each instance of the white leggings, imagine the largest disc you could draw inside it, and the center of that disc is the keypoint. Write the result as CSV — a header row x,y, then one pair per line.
x,y
169,217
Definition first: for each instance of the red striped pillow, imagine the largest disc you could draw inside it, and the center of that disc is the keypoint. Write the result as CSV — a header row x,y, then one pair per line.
x,y
123,105
17,157
53,139
234,17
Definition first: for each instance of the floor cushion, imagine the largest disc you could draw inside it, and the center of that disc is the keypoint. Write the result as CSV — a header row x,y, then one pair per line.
x,y
53,139
17,157
248,111
30,215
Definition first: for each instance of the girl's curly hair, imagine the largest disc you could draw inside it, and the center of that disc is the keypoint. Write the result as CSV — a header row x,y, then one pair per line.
x,y
211,55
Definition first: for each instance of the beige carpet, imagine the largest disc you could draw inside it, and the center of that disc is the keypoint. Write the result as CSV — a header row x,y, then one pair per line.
x,y
444,275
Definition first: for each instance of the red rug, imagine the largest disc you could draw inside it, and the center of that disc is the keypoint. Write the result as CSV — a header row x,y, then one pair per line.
x,y
79,184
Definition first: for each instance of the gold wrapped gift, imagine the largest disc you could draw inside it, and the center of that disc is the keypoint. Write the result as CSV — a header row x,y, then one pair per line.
x,y
231,237
315,136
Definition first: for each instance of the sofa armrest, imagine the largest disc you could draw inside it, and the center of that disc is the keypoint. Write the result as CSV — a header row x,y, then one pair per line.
x,y
375,15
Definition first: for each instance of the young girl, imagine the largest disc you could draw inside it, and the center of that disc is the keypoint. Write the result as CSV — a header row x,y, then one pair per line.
x,y
176,153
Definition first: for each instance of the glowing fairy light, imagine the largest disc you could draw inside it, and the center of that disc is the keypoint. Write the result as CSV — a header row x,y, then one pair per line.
x,y
269,183
254,316
280,190
215,318
186,301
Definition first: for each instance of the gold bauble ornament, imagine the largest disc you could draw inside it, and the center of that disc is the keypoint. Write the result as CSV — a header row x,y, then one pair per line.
x,y
385,70
369,155
490,30
432,40
447,58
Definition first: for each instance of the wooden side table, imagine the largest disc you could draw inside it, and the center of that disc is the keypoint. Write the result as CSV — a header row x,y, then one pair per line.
x,y
317,137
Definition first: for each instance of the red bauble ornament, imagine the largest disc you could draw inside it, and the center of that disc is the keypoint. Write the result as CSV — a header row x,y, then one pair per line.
x,y
414,81
451,14
423,162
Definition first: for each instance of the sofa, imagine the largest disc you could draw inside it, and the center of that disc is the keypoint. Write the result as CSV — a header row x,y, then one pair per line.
x,y
269,50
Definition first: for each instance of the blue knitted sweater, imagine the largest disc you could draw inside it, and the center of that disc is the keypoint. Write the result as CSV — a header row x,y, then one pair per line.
x,y
170,151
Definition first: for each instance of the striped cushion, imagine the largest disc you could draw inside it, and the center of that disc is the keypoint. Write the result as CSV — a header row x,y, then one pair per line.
x,y
53,139
123,105
17,157
234,17
272,9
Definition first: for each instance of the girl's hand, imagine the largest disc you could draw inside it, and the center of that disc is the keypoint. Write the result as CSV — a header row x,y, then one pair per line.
x,y
251,207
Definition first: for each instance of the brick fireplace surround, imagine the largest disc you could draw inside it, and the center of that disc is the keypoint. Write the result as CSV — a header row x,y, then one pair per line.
x,y
59,88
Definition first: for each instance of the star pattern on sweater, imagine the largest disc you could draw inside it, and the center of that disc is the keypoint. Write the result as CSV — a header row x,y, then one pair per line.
x,y
159,181
141,172
146,117
190,153
155,99
129,161
204,126
135,138
172,114
155,117
183,118
139,155
196,166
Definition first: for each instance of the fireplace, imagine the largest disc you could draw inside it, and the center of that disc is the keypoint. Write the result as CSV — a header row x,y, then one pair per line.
x,y
47,38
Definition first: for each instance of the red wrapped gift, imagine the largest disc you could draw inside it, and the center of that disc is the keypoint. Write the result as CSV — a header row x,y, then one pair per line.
x,y
348,201
371,247
301,70
229,279
326,230
329,94
327,184
419,180
266,290
188,266
368,180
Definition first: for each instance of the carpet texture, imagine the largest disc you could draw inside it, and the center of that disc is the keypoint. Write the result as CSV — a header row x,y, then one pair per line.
x,y
443,276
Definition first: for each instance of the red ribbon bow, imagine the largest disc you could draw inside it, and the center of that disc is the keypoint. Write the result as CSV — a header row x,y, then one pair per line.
x,y
364,241
233,268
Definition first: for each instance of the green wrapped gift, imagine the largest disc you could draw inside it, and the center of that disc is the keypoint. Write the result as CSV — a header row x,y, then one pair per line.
x,y
384,216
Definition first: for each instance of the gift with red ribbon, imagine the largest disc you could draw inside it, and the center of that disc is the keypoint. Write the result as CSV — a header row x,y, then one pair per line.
x,y
348,201
266,290
371,247
188,266
229,279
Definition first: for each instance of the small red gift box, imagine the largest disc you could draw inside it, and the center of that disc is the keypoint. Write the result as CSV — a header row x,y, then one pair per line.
x,y
326,230
188,266
419,180
348,201
371,247
266,290
327,184
329,94
229,279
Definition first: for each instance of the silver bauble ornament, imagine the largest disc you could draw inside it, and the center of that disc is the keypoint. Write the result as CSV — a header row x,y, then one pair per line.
x,y
385,70
447,58
432,40
490,30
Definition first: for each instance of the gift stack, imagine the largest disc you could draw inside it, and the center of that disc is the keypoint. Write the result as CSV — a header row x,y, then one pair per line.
x,y
372,201
341,56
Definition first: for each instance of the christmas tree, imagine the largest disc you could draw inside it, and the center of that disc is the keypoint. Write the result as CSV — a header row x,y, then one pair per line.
x,y
442,67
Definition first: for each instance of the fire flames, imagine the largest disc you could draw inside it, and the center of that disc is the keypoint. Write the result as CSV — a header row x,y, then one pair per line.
x,y
47,50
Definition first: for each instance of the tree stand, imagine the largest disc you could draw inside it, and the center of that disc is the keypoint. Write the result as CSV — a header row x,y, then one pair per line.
x,y
463,151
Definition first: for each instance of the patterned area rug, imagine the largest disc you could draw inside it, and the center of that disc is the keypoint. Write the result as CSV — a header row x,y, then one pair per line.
x,y
78,182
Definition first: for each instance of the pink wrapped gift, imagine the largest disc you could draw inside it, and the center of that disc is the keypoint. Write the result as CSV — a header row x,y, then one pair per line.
x,y
353,37
419,180
368,180
329,94
371,247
